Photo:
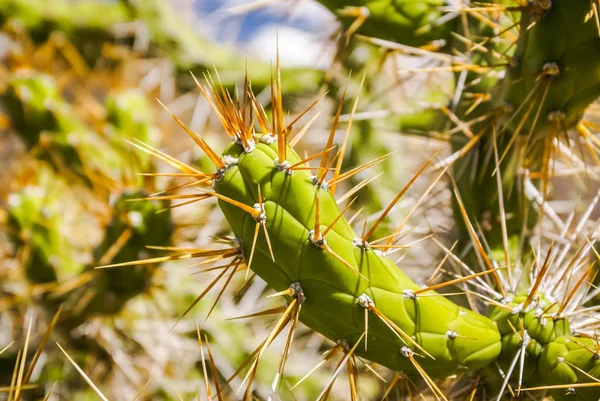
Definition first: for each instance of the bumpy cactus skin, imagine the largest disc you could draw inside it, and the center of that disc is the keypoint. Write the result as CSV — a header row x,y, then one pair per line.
x,y
552,354
562,48
331,289
454,336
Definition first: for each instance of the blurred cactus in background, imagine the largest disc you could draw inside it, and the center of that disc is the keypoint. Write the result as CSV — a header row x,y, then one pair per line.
x,y
35,223
133,227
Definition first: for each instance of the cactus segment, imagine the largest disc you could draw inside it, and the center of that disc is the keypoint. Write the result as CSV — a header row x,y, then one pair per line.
x,y
334,280
557,57
552,355
548,84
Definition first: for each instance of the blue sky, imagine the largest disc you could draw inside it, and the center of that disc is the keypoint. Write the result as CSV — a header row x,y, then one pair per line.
x,y
303,27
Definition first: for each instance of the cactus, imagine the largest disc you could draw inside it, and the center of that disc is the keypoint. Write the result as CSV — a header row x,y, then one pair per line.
x,y
544,93
29,101
50,128
290,232
350,274
129,117
59,280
